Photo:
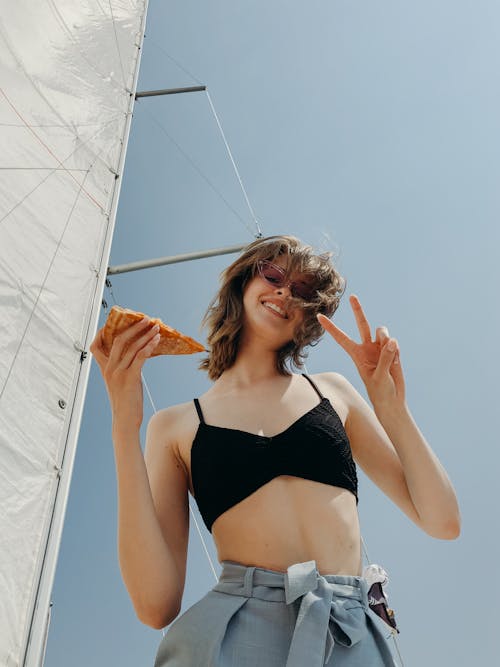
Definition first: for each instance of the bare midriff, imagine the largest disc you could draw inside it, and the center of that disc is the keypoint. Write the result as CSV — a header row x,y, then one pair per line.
x,y
292,520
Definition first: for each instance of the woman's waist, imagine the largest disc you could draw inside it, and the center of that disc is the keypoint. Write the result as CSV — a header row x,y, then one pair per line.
x,y
334,553
337,565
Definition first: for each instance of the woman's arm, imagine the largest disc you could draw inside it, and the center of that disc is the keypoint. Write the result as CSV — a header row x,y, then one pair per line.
x,y
430,489
153,522
389,447
152,534
387,442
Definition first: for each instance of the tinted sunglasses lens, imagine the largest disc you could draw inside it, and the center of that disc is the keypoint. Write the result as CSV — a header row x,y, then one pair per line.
x,y
272,274
303,291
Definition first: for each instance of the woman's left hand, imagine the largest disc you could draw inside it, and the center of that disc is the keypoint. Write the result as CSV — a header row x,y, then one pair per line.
x,y
378,365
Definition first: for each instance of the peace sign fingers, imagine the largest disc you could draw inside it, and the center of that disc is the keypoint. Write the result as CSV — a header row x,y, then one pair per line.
x,y
377,362
349,345
340,336
361,320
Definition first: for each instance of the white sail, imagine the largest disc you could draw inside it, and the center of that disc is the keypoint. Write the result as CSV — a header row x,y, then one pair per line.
x,y
67,76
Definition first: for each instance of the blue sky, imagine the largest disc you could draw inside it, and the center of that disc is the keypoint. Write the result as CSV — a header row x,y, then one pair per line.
x,y
369,129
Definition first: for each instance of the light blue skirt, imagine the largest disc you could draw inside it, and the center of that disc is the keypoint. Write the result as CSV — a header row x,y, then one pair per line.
x,y
254,617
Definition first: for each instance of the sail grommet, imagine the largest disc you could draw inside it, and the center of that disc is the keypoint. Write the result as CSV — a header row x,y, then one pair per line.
x,y
62,403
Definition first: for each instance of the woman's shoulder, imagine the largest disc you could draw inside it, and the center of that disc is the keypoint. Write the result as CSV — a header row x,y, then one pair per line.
x,y
174,414
333,384
335,388
175,426
330,379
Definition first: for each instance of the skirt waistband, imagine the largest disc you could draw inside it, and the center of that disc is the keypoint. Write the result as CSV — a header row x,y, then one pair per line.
x,y
300,578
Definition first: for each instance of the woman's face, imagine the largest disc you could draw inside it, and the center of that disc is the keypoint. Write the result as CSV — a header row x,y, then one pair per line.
x,y
268,311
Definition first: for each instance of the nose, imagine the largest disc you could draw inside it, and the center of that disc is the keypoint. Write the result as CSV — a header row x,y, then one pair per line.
x,y
284,290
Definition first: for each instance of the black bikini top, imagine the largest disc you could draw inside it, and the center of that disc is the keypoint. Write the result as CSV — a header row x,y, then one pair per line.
x,y
228,465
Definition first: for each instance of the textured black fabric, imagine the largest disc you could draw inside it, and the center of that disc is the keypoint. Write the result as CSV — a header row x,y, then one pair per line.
x,y
227,465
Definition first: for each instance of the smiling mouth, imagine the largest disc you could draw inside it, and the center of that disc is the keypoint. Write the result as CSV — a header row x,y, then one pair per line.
x,y
276,309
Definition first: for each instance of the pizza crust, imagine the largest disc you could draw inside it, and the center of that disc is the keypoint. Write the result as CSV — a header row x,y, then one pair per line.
x,y
171,340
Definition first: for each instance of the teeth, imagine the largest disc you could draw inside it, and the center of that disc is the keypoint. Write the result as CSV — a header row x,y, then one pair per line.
x,y
273,306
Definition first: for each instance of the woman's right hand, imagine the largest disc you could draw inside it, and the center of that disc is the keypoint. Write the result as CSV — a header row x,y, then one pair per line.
x,y
122,371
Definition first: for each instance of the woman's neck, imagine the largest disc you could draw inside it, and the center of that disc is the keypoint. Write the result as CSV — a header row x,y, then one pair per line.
x,y
254,364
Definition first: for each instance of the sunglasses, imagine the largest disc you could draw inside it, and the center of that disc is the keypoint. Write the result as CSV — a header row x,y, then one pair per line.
x,y
276,277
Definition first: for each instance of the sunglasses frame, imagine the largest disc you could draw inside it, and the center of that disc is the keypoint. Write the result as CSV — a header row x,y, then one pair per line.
x,y
296,286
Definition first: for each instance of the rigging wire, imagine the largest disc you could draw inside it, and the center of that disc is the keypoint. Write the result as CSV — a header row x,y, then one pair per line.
x,y
258,230
365,551
199,171
179,65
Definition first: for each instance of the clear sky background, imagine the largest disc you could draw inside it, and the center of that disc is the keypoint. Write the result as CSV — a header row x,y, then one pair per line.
x,y
371,129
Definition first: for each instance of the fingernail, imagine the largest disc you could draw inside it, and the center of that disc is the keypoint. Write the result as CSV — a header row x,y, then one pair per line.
x,y
156,338
391,345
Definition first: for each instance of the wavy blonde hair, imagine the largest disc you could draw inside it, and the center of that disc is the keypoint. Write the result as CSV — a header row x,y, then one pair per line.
x,y
224,316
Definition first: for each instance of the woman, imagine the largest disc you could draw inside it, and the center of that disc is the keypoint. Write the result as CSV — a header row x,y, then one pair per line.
x,y
268,455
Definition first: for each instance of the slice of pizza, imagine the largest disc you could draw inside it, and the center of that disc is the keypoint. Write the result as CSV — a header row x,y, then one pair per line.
x,y
171,340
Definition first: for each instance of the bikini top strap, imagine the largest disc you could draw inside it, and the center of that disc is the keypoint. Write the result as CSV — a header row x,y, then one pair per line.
x,y
198,410
313,384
